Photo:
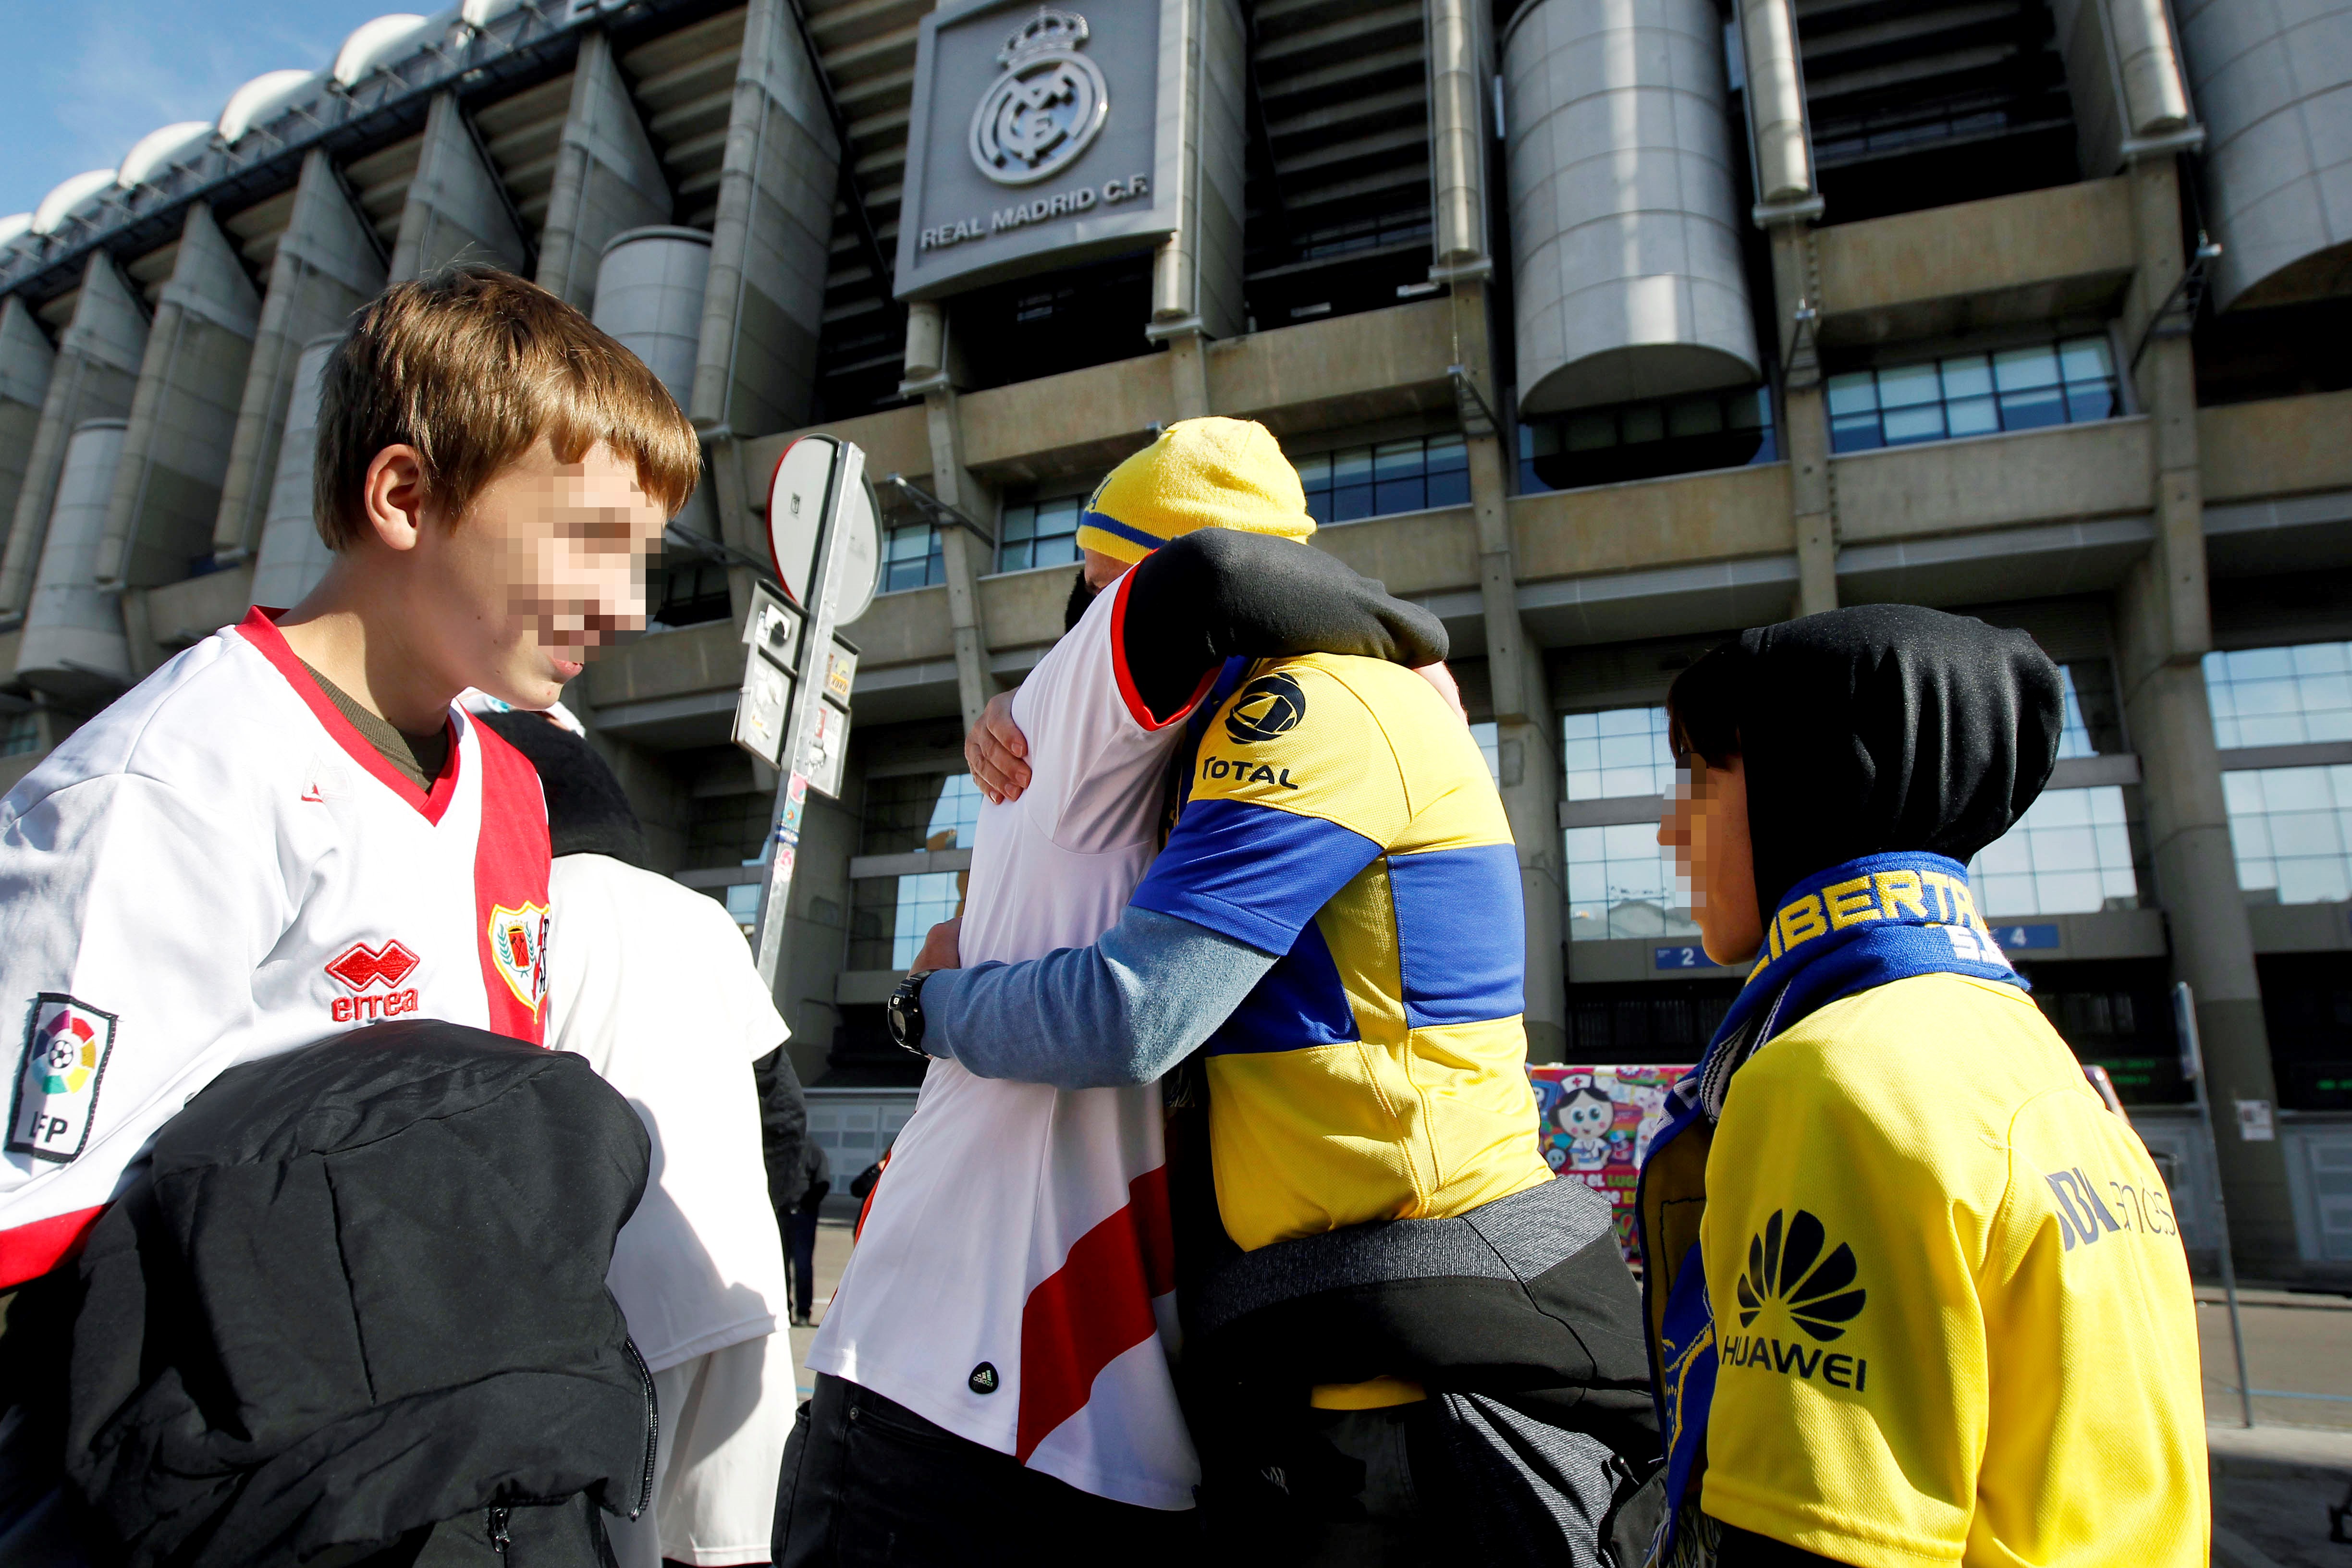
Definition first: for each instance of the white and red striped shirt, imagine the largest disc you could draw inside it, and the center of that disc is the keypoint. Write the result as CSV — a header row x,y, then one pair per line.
x,y
218,868
1014,1281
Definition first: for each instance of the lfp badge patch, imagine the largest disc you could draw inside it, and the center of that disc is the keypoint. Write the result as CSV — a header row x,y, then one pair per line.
x,y
518,939
57,1090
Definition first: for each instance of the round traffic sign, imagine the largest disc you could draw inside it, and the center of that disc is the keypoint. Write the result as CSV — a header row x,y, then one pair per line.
x,y
795,512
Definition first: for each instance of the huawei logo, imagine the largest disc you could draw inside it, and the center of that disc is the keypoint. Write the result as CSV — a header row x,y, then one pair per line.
x,y
1785,1265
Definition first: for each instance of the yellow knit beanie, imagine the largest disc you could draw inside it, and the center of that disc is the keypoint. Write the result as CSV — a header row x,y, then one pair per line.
x,y
1201,473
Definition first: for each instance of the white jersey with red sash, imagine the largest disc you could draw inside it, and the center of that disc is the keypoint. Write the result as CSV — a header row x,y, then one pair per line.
x,y
1014,1279
218,868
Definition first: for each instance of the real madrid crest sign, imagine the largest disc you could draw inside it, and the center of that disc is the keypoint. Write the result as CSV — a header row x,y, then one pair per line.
x,y
1046,108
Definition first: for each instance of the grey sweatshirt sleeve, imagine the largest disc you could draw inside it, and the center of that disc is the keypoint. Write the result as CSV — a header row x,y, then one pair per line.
x,y
1123,1011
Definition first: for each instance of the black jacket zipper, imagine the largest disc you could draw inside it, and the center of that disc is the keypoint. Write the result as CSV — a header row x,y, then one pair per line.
x,y
653,1431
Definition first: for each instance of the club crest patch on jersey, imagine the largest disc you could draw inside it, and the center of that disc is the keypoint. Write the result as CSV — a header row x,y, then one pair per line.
x,y
66,1050
518,939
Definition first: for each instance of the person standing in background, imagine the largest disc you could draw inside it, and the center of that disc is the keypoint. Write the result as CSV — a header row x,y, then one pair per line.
x,y
698,1268
816,1175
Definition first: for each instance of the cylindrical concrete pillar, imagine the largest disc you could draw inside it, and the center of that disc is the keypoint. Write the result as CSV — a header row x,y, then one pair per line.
x,y
1776,102
73,645
649,293
1624,218
2273,83
650,289
293,557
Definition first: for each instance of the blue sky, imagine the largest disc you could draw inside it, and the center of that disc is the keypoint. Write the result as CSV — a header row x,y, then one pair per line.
x,y
91,77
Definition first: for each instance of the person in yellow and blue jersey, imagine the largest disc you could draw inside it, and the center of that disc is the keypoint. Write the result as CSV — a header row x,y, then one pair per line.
x,y
1915,1296
1402,1335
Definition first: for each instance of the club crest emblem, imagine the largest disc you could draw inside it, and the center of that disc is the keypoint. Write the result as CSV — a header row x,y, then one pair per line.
x,y
66,1050
518,939
1046,108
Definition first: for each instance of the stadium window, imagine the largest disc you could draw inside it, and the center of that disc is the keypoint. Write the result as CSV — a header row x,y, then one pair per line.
x,y
2281,695
22,735
690,594
1647,440
2070,853
2292,830
1414,475
1489,747
1038,533
889,916
2069,382
910,558
1616,752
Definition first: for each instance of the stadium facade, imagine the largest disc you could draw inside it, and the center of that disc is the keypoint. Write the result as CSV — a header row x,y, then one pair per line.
x,y
1601,327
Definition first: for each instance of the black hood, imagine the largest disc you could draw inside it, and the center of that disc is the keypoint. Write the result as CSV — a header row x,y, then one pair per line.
x,y
1886,727
587,811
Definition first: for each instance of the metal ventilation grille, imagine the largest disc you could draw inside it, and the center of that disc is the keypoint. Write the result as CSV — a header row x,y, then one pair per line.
x,y
1890,79
1338,168
521,134
867,48
685,86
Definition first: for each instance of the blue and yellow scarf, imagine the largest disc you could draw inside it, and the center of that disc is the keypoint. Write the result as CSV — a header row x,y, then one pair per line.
x,y
1850,929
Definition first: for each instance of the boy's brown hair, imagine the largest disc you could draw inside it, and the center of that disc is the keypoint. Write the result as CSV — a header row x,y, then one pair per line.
x,y
471,366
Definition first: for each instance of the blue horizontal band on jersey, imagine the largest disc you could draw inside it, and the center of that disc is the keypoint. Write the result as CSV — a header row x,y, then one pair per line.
x,y
1253,872
1462,934
1118,530
1300,1004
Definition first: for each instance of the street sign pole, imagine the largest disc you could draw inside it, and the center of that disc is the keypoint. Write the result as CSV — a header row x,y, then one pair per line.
x,y
2192,1065
812,736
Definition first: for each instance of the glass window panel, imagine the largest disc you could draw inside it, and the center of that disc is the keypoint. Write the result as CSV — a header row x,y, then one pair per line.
x,y
1700,418
1353,466
1967,375
1579,726
2067,892
1318,507
2313,881
1626,751
1447,452
2255,663
1855,433
1391,496
2018,370
1908,425
2052,861
1853,394
1627,721
2288,827
1972,416
1316,470
1450,488
2323,658
1059,551
1647,423
1908,385
1397,459
1019,522
2032,410
1584,783
2085,403
1590,432
1349,502
1748,413
2006,894
2087,359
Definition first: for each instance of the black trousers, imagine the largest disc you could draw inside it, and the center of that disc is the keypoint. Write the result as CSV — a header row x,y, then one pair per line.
x,y
867,1482
800,1253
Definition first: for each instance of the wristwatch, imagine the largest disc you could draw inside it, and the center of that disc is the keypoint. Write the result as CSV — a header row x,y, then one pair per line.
x,y
905,1012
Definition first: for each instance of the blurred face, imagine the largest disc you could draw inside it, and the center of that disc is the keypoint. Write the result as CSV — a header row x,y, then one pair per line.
x,y
548,565
1705,827
1101,571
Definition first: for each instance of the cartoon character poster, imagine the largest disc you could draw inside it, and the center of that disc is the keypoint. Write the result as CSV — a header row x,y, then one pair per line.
x,y
1596,1124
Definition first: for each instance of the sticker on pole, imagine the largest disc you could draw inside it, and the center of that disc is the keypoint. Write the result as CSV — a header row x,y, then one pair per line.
x,y
2254,1125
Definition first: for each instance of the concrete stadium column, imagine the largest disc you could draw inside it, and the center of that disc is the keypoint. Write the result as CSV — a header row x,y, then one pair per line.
x,y
167,487
25,360
770,241
326,266
1788,204
2163,631
456,209
95,376
1196,274
1530,763
608,178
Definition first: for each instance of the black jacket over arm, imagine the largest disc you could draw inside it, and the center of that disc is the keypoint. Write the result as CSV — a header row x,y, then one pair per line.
x,y
360,1291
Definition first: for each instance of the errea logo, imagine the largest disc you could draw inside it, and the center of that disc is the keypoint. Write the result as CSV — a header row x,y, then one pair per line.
x,y
1269,706
1786,1269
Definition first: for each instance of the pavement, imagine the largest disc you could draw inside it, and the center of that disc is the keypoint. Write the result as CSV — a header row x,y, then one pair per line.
x,y
2272,1483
